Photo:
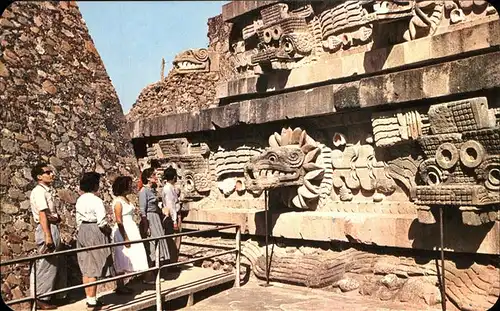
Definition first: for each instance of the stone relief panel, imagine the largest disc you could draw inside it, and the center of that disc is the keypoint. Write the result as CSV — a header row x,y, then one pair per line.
x,y
458,160
201,171
402,161
390,128
401,128
460,11
308,174
346,24
355,167
191,162
289,34
228,166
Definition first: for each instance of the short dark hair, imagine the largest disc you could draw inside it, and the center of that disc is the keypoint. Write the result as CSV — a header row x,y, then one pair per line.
x,y
155,163
38,170
170,173
146,174
90,182
122,185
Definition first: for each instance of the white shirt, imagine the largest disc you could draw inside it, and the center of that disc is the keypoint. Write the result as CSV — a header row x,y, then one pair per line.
x,y
41,199
171,200
90,208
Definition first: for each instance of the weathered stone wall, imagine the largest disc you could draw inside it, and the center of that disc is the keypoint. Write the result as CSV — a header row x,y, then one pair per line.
x,y
371,116
278,45
218,34
191,91
59,106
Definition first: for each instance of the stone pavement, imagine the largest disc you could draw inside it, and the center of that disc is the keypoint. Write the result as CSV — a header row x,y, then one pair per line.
x,y
293,298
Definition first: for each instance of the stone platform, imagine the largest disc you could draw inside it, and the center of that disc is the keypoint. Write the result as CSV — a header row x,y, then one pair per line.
x,y
190,280
292,298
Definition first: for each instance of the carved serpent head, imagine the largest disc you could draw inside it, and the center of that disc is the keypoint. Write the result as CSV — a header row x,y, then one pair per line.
x,y
290,160
275,167
193,60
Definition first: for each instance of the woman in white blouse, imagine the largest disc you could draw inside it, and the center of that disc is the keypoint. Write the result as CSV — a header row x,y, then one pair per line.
x,y
93,229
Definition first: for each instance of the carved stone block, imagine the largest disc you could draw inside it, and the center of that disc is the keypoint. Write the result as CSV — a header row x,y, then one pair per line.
x,y
229,166
390,128
463,163
355,167
284,35
425,215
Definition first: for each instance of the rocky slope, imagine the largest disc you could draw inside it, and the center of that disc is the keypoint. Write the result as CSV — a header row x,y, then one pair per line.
x,y
177,93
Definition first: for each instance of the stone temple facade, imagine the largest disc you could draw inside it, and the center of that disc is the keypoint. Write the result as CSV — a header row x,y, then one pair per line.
x,y
57,105
361,119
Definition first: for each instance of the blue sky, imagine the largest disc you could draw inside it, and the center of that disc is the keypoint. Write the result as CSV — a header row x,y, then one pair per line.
x,y
133,36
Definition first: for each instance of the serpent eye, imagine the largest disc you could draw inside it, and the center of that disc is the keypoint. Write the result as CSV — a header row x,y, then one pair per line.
x,y
272,158
294,156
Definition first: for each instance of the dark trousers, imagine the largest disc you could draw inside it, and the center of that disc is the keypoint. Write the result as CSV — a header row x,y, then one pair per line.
x,y
174,243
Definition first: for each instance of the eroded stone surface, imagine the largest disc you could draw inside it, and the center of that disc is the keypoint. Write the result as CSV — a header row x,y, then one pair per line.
x,y
389,278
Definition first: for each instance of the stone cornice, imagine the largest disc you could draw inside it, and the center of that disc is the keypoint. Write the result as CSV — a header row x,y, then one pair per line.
x,y
234,9
467,75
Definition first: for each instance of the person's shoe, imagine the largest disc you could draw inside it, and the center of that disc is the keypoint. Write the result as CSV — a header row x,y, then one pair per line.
x,y
123,290
60,301
98,306
42,305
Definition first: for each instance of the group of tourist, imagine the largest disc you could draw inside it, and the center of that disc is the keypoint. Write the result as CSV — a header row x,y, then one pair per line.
x,y
158,218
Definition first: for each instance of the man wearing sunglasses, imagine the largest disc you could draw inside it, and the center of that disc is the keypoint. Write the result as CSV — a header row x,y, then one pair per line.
x,y
49,270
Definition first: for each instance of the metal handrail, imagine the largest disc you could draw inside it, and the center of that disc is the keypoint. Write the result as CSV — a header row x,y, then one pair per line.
x,y
220,226
89,248
196,222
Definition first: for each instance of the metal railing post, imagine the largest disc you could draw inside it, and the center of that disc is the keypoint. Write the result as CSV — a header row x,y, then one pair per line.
x,y
238,256
157,281
441,236
33,267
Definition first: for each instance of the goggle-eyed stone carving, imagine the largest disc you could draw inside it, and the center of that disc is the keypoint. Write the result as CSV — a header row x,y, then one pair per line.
x,y
462,162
